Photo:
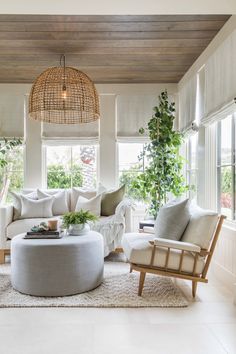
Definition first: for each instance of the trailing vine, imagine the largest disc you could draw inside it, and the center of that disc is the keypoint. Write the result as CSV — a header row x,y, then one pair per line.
x,y
163,173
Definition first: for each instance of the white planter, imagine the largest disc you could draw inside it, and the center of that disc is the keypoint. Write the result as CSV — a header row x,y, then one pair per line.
x,y
78,229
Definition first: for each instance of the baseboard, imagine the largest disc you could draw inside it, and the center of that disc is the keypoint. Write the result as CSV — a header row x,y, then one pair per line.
x,y
225,277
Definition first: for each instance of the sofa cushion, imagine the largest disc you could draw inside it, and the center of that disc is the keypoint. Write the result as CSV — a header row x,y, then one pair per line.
x,y
139,251
17,205
93,205
172,220
110,200
20,226
77,192
36,208
60,205
201,227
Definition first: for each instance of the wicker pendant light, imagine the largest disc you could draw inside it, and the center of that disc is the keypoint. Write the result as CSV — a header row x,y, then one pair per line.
x,y
63,95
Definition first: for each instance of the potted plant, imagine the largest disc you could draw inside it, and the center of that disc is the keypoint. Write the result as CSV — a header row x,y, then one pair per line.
x,y
163,173
76,222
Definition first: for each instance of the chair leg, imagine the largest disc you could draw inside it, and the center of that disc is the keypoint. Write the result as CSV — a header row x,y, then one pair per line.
x,y
130,269
2,256
194,288
141,283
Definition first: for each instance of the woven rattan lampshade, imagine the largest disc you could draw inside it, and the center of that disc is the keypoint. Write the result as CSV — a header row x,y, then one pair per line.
x,y
64,95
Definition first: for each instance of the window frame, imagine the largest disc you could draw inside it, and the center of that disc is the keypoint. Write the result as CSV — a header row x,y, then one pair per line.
x,y
22,171
66,143
131,140
118,155
189,169
232,165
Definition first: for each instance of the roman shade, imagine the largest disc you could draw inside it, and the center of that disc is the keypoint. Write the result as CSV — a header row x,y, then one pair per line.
x,y
220,76
11,113
187,104
200,109
134,112
86,130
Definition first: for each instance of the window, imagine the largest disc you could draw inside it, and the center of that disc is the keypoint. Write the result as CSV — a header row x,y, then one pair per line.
x,y
13,174
226,166
69,166
130,165
192,165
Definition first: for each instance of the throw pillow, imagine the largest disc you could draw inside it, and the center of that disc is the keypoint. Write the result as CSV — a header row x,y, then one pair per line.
x,y
93,205
36,208
172,220
17,202
59,206
201,227
110,200
80,192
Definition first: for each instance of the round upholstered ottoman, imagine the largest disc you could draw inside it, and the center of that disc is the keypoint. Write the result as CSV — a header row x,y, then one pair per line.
x,y
59,267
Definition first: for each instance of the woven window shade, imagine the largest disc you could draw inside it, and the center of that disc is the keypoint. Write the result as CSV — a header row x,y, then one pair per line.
x,y
46,102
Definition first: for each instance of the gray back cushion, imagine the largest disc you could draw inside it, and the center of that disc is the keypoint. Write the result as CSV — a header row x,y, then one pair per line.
x,y
172,220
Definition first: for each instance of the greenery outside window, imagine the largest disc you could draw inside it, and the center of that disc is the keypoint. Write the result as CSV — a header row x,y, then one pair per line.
x,y
14,169
226,166
130,166
71,166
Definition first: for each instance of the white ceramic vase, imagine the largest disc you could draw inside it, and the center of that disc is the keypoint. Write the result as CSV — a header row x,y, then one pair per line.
x,y
78,229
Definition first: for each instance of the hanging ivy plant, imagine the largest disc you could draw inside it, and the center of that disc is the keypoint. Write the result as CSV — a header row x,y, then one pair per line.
x,y
163,173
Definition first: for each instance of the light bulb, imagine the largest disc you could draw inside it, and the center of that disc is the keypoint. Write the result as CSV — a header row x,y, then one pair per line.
x,y
64,92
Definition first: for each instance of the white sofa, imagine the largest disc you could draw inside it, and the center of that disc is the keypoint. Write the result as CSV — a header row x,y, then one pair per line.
x,y
111,227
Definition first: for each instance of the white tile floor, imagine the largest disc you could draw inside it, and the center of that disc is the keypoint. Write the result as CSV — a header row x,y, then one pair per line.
x,y
207,326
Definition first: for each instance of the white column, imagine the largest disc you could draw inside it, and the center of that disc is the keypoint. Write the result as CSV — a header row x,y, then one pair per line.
x,y
210,168
201,167
235,294
107,151
33,151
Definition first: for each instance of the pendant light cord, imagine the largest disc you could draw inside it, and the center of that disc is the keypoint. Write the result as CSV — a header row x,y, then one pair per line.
x,y
63,64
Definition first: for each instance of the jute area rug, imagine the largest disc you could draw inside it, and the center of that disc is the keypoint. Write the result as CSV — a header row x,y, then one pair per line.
x,y
119,289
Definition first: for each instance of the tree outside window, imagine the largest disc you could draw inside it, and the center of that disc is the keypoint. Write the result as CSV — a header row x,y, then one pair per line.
x,y
12,175
71,166
130,166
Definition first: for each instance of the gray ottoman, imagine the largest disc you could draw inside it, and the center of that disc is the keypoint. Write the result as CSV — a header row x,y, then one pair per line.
x,y
66,266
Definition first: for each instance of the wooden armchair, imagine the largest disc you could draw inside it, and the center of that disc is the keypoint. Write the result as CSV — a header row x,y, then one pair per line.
x,y
170,258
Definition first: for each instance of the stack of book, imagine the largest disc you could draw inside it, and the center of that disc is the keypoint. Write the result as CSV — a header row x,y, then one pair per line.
x,y
43,234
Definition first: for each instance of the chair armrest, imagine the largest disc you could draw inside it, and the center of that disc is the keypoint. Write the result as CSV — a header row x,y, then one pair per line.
x,y
148,230
6,217
183,246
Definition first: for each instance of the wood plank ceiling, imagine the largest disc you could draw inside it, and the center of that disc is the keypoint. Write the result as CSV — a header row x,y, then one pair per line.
x,y
110,49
